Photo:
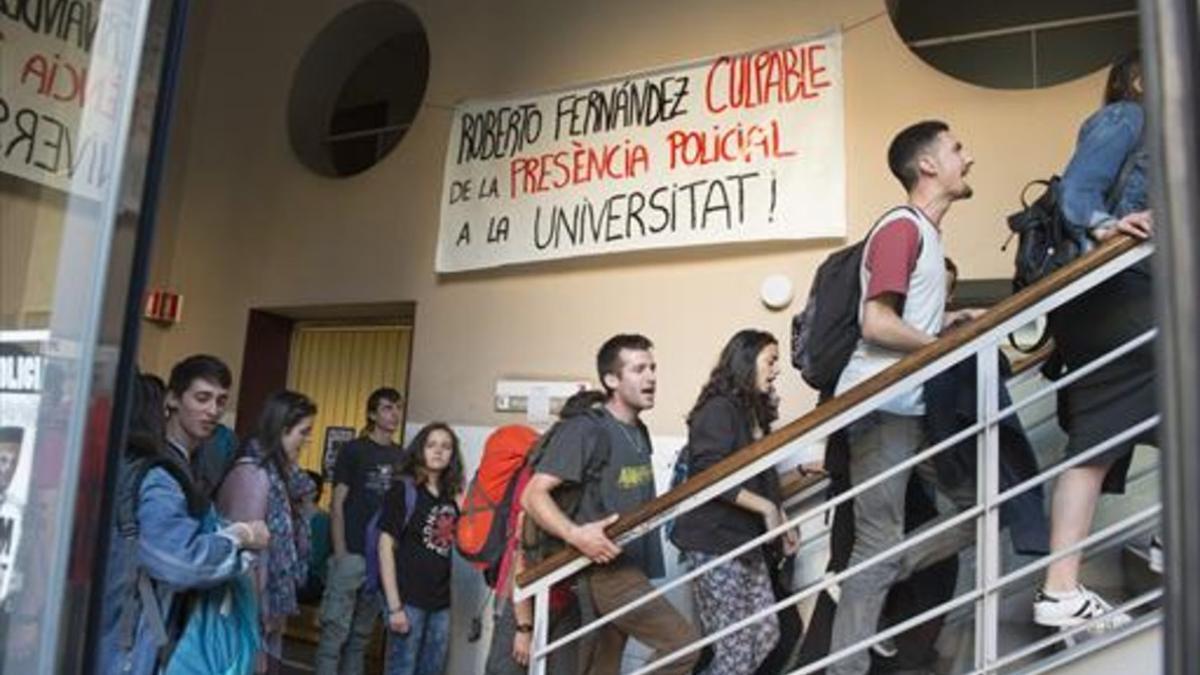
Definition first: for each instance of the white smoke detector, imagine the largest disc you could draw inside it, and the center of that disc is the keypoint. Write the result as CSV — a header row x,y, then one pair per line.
x,y
776,291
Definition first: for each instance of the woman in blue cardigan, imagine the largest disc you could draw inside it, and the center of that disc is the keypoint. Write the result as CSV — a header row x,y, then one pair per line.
x,y
1103,193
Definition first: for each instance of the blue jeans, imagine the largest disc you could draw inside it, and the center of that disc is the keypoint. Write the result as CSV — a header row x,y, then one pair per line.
x,y
423,650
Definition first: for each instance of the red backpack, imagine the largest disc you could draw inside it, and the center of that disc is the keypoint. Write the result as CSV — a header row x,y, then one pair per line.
x,y
486,527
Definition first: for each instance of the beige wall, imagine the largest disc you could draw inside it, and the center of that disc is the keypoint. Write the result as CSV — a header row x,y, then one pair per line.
x,y
31,228
245,225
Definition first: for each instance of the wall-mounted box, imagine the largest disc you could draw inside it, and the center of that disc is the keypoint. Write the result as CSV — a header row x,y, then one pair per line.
x,y
539,398
163,306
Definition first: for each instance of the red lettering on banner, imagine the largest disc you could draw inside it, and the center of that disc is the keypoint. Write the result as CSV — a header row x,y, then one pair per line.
x,y
64,82
577,165
739,143
55,79
773,76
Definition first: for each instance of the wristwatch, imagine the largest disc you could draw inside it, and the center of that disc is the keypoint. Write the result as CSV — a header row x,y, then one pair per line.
x,y
524,628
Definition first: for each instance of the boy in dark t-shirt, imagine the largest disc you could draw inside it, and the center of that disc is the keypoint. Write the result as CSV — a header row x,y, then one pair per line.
x,y
361,477
607,456
611,458
364,468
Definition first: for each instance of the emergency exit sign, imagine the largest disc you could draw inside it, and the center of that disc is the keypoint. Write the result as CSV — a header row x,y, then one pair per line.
x,y
163,306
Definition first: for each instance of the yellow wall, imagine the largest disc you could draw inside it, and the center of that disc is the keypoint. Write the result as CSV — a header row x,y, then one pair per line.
x,y
245,225
339,367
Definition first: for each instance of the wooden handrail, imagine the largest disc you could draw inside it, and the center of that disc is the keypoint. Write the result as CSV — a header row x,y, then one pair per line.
x,y
791,488
794,486
908,365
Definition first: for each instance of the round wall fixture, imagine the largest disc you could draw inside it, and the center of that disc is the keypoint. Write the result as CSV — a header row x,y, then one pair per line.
x,y
358,88
1017,44
776,291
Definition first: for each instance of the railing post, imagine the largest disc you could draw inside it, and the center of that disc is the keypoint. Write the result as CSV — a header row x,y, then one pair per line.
x,y
987,531
541,629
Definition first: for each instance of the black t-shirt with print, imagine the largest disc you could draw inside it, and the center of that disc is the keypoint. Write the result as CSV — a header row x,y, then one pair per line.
x,y
366,468
612,461
423,545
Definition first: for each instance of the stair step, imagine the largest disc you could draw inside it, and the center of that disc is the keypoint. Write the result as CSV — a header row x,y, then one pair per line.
x,y
1135,648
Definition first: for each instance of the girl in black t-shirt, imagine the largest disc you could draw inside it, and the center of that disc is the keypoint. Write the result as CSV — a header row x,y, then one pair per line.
x,y
414,552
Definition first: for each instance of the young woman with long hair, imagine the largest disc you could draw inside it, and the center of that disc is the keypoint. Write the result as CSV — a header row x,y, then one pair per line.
x,y
266,483
736,406
1103,193
414,552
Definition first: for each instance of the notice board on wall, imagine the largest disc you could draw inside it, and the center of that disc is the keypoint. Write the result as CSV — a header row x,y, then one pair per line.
x,y
732,148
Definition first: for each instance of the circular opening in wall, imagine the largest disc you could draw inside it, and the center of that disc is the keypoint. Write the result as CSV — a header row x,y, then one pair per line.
x,y
357,88
1017,44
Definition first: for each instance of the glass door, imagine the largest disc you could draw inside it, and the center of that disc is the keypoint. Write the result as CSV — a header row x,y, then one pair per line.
x,y
82,108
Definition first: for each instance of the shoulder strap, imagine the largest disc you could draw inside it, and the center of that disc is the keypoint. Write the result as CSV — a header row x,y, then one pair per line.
x,y
886,216
410,504
128,494
535,455
917,217
140,598
1114,193
599,419
410,498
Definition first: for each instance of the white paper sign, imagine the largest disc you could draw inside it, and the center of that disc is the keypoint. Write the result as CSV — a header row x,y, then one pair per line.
x,y
57,60
730,149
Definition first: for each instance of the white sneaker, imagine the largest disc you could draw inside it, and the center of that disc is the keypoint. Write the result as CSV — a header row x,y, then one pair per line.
x,y
885,648
1067,610
1156,555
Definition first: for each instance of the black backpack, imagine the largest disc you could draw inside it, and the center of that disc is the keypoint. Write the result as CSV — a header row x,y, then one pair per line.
x,y
826,331
1044,242
136,461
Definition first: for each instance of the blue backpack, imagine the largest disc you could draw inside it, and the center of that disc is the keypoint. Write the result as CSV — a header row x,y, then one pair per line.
x,y
679,473
221,630
371,544
221,635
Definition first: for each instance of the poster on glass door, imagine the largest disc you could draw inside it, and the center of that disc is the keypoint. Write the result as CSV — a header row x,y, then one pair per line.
x,y
62,86
21,369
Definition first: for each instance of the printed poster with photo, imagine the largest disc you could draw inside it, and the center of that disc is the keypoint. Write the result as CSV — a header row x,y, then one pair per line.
x,y
21,368
335,438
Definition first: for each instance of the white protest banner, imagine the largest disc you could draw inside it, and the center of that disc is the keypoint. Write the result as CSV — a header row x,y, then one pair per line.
x,y
56,61
729,149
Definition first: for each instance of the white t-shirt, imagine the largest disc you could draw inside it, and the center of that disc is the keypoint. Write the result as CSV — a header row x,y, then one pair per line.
x,y
904,255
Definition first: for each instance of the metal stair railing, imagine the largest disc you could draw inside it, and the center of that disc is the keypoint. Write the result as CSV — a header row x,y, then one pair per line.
x,y
981,340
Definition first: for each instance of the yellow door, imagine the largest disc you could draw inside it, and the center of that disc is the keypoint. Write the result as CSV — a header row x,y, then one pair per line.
x,y
338,366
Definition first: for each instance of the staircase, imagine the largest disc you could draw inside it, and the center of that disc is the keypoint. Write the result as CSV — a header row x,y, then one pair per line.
x,y
1118,569
989,626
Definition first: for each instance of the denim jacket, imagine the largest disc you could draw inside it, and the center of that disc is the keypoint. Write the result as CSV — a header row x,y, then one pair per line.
x,y
1105,139
176,553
